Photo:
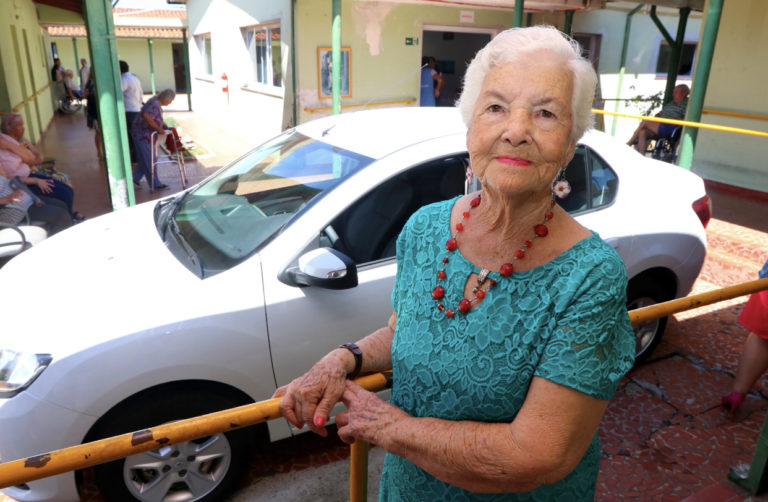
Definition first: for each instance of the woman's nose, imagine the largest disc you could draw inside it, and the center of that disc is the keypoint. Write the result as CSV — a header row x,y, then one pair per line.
x,y
517,129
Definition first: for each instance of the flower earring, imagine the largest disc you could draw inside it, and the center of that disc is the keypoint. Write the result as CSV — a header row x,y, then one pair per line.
x,y
560,187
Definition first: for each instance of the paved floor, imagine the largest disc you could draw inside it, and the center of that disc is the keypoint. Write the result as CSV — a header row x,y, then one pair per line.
x,y
664,437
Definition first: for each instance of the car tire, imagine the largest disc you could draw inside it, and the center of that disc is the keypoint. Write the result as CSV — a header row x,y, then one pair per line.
x,y
642,293
205,469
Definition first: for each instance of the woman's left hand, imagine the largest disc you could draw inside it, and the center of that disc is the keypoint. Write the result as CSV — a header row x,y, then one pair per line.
x,y
367,417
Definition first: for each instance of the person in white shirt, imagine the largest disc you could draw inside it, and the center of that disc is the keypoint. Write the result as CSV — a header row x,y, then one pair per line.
x,y
69,83
132,99
85,68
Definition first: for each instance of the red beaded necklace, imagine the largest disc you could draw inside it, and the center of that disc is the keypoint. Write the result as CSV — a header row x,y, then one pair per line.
x,y
505,270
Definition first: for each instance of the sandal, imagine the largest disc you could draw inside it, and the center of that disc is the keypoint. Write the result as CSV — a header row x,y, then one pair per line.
x,y
732,401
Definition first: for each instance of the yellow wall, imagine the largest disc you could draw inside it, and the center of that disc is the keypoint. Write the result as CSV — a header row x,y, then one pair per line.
x,y
133,51
383,67
24,74
737,83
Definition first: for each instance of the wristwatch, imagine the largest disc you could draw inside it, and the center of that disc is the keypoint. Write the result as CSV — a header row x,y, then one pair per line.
x,y
358,358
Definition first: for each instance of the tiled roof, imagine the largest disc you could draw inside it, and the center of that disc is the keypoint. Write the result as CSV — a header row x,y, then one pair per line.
x,y
156,13
69,30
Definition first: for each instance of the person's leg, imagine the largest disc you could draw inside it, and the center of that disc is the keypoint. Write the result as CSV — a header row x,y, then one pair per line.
x,y
144,160
54,213
753,363
645,132
59,190
130,118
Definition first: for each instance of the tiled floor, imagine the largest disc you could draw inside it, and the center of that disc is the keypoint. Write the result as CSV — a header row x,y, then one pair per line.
x,y
664,436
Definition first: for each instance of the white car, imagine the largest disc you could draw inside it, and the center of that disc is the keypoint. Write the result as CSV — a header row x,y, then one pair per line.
x,y
214,297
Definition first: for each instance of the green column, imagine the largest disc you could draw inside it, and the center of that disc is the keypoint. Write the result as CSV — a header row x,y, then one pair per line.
x,y
76,68
568,22
151,65
106,74
336,57
675,47
518,19
700,81
187,74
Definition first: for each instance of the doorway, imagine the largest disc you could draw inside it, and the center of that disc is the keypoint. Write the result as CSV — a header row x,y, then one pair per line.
x,y
179,68
453,48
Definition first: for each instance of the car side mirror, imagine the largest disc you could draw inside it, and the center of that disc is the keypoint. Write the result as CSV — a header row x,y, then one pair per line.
x,y
323,268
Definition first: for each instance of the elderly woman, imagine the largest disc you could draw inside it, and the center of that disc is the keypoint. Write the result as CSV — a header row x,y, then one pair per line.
x,y
16,205
17,155
150,120
509,332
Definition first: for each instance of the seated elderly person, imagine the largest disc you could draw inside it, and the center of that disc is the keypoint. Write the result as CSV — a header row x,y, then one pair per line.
x,y
16,205
17,159
73,90
648,130
509,331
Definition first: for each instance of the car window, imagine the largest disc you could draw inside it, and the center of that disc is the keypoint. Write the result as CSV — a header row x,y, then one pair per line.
x,y
593,183
577,175
605,183
368,229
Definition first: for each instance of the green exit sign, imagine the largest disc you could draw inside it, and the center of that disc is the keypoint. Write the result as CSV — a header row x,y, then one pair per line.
x,y
411,41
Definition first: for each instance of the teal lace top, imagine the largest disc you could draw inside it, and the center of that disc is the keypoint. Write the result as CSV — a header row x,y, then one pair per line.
x,y
565,321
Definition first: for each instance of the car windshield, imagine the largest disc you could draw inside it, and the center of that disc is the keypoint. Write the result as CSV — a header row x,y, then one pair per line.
x,y
236,212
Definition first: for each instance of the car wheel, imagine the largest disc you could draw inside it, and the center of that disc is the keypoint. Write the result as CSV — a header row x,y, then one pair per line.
x,y
648,334
204,469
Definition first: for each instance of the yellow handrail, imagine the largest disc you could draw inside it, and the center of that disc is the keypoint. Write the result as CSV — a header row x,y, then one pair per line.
x,y
105,450
379,103
685,123
742,115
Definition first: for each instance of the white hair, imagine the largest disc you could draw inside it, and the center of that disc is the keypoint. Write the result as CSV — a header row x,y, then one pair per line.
x,y
517,43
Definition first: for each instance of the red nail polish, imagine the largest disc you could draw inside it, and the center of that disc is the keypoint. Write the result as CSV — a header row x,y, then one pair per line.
x,y
319,421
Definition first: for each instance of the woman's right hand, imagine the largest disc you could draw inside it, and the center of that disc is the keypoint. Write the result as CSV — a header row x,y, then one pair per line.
x,y
309,399
45,185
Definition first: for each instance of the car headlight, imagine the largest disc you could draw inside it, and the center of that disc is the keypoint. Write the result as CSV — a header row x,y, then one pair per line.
x,y
19,369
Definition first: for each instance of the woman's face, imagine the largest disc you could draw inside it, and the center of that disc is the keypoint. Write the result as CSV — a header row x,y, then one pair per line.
x,y
16,128
520,134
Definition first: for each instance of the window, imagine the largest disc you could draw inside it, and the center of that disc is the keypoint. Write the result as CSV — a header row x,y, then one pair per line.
x,y
368,229
263,44
54,50
590,44
593,183
204,46
686,59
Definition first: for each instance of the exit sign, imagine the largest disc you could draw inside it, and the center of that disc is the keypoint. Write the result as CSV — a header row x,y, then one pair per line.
x,y
411,41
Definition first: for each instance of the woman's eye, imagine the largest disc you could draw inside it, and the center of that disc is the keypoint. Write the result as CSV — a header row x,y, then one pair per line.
x,y
494,108
547,114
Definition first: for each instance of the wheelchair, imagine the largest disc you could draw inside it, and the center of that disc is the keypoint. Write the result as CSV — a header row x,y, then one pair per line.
x,y
664,148
65,104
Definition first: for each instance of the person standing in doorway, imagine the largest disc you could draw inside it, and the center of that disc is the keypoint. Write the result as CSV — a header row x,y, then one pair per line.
x,y
85,69
132,99
431,82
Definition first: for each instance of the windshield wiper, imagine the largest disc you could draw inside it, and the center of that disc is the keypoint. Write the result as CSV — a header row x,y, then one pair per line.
x,y
196,266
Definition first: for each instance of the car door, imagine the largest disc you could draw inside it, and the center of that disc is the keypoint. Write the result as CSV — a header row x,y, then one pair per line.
x,y
306,323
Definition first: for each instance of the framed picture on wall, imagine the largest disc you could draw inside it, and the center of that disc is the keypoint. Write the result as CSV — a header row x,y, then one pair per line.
x,y
324,89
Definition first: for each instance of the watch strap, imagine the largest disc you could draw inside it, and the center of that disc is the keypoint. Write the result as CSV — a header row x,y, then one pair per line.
x,y
355,350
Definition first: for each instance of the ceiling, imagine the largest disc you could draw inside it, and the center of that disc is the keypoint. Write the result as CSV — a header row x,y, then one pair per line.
x,y
532,5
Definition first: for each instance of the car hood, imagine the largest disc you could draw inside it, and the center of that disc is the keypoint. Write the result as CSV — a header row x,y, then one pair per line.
x,y
100,279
